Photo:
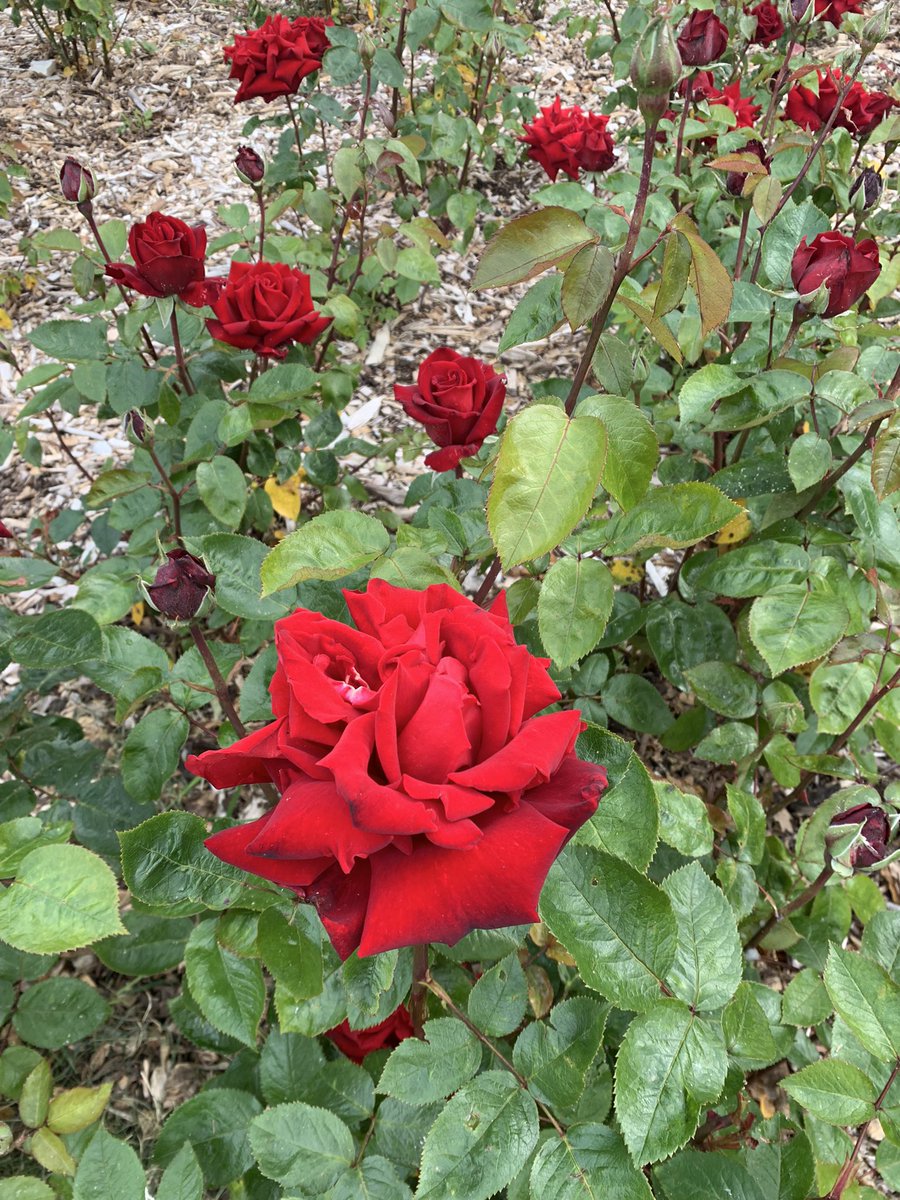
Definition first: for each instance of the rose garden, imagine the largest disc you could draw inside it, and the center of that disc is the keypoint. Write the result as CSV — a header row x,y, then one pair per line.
x,y
471,770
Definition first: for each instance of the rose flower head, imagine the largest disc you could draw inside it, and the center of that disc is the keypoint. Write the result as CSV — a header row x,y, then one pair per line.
x,y
76,182
264,307
866,189
833,261
458,400
181,586
355,1044
870,845
810,110
834,11
249,165
569,140
769,25
867,109
745,111
273,60
169,260
422,796
702,39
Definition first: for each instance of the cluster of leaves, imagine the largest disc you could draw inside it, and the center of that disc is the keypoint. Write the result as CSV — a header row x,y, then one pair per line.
x,y
699,530
73,31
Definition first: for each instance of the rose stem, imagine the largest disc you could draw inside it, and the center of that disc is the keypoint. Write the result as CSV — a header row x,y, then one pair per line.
x,y
186,380
843,1179
218,682
65,449
170,487
261,201
417,998
797,320
297,138
801,901
488,582
779,82
688,96
742,241
398,52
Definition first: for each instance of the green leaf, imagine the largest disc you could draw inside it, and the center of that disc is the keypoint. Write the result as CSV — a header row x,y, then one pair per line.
x,y
25,1187
216,1124
419,265
754,570
784,1170
536,315
182,1178
700,391
791,625
529,245
625,822
34,1098
292,955
586,284
633,448
373,1179
748,1037
655,326
592,1163
749,823
57,638
612,366
886,460
677,258
794,222
809,460
152,752
546,475
57,1012
617,925
724,688
301,1146
835,1092
329,546
671,1067
165,863
881,941
63,897
223,489
366,979
708,959
709,278
105,594
236,562
409,568
71,341
695,1173
574,604
76,1108
422,1072
634,702
838,691
674,516
48,1149
230,991
554,1056
107,1168
151,946
498,1000
806,1000
868,1000
683,820
480,1141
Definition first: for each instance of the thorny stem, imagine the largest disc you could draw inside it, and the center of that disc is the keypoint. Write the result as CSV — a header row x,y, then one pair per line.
x,y
797,319
479,100
218,682
742,241
801,901
260,200
843,1179
364,112
612,16
776,90
170,487
186,381
679,146
398,51
488,582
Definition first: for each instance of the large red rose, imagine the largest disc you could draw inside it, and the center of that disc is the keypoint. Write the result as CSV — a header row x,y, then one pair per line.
x,y
867,109
421,794
702,39
458,400
769,25
264,307
834,10
169,260
846,268
569,140
811,111
273,60
357,1043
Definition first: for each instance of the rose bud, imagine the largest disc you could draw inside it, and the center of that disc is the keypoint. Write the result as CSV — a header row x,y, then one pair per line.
x,y
702,39
169,260
734,180
458,400
135,424
874,831
273,60
834,11
846,270
802,10
355,1044
5,531
655,68
866,190
76,182
421,794
769,25
181,586
250,167
876,29
569,140
264,307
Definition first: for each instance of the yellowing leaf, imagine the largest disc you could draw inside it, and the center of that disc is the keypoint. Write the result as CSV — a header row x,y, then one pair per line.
x,y
137,612
5,319
738,529
285,496
626,570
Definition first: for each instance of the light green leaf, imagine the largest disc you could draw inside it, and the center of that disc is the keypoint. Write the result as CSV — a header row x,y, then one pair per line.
x,y
868,1000
554,1055
152,752
586,284
683,820
292,955
634,702
422,1072
57,638
708,959
754,570
223,489
791,625
886,460
674,516
236,561
835,1092
809,460
529,245
574,604
591,1164
301,1146
107,1168
633,448
330,546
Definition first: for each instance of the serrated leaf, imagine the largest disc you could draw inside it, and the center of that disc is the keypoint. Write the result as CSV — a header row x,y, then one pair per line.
x,y
536,315
748,1037
835,1092
754,570
586,284
109,1167
216,1124
674,515
229,991
886,461
724,688
223,489
674,274
530,244
373,1179
422,1072
574,604
236,562
633,449
625,823
498,1000
57,638
365,979
182,1178
152,752
654,325
78,1107
792,625
591,1164
166,864
868,1000
329,546
301,1146
709,278
554,1055
290,952
683,820
809,460
695,1173
708,958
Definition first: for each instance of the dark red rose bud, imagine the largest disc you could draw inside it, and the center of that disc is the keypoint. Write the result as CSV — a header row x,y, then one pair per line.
x,y
250,166
569,140
872,847
834,11
264,307
76,182
169,260
702,39
458,400
5,531
181,585
734,180
769,25
846,269
135,422
800,9
273,60
866,190
357,1043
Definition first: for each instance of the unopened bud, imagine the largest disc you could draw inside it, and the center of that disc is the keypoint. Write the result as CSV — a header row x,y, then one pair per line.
x,y
859,836
181,587
249,165
802,11
866,190
367,50
875,29
136,426
655,68
76,182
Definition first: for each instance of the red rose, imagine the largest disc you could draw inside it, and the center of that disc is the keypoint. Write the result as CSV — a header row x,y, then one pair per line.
x,y
273,60
847,269
769,25
357,1043
263,307
702,39
867,109
421,795
874,836
811,111
744,109
834,10
181,585
458,400
169,260
569,140
5,531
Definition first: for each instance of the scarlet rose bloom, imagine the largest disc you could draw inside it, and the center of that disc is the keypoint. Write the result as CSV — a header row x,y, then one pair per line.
x,y
273,60
169,260
265,306
833,10
846,268
769,25
875,833
811,111
702,39
867,109
181,585
569,140
744,109
458,400
357,1043
421,795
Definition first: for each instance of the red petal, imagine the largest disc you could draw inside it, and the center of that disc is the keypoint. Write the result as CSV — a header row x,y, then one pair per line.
x,y
246,761
230,845
532,756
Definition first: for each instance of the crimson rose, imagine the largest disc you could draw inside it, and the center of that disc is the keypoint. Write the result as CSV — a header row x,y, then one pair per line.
x,y
874,835
867,109
169,260
263,307
834,10
702,39
273,60
421,795
769,25
357,1043
569,140
860,110
458,400
847,269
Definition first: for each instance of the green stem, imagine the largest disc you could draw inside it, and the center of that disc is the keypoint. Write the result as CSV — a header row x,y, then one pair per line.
x,y
218,682
801,901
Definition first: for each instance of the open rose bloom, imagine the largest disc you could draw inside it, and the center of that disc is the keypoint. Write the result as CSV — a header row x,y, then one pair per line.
x,y
421,795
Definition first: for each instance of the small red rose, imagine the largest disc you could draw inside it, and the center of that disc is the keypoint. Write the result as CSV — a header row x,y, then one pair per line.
x,y
811,111
702,39
169,260
847,269
76,182
769,25
834,11
264,307
458,400
422,794
355,1044
569,140
273,60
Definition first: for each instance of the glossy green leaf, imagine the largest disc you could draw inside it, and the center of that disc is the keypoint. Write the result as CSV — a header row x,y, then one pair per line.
x,y
152,752
530,244
329,546
109,1167
301,1146
230,991
868,1000
791,625
422,1072
633,448
835,1092
625,822
223,489
674,516
216,1123
708,959
586,284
